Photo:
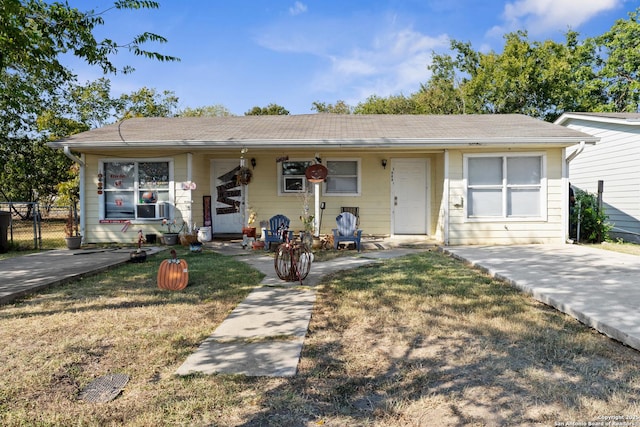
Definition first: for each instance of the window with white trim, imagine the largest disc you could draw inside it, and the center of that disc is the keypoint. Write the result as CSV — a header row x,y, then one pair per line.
x,y
505,186
292,177
135,189
343,177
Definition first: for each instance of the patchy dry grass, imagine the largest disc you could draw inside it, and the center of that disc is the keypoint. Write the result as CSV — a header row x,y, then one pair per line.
x,y
627,248
419,340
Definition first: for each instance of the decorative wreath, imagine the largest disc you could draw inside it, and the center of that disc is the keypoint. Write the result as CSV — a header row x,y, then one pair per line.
x,y
243,176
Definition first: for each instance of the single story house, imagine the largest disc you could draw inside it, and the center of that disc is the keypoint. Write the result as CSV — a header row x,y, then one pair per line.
x,y
615,161
458,179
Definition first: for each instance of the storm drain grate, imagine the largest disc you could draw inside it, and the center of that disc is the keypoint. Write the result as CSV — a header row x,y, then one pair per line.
x,y
104,389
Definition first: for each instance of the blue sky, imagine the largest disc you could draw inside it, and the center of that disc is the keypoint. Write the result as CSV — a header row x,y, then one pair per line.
x,y
242,54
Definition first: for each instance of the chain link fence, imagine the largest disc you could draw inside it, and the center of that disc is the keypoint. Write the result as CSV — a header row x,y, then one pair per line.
x,y
35,227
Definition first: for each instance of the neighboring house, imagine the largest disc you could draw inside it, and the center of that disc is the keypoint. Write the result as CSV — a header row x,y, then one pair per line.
x,y
459,179
615,161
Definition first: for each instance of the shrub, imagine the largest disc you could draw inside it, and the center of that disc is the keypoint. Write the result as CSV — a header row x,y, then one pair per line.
x,y
593,221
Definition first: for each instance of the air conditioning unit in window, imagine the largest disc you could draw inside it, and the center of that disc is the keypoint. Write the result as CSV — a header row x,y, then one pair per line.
x,y
294,184
152,211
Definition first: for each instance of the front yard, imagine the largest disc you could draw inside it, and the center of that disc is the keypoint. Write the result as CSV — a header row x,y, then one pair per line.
x,y
418,340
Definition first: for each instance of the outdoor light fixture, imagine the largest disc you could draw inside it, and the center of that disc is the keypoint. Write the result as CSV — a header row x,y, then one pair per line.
x,y
384,163
253,162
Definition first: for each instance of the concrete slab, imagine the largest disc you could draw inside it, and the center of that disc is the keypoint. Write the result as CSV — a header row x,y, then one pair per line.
x,y
275,358
600,288
268,312
23,275
277,317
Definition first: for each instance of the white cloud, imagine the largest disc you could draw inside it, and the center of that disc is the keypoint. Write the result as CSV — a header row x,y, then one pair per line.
x,y
543,16
352,62
297,8
394,62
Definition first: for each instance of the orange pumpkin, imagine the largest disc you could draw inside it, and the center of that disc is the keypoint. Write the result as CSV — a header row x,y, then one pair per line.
x,y
173,273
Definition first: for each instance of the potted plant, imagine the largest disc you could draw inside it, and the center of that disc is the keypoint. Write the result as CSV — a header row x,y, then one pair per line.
x,y
307,220
250,231
170,237
68,195
73,239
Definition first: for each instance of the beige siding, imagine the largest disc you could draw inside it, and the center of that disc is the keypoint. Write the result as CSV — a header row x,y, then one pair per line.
x,y
200,176
465,232
374,202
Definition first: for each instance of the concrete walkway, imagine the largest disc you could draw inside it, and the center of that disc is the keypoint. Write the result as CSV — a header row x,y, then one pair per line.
x,y
264,335
24,275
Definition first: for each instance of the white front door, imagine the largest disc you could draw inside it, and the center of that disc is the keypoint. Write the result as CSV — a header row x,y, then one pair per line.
x,y
409,195
227,196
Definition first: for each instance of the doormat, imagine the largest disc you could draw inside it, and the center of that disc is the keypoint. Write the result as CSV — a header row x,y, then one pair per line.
x,y
104,389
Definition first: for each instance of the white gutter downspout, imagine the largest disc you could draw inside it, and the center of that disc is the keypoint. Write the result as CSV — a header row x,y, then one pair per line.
x,y
445,237
73,157
565,186
576,153
81,162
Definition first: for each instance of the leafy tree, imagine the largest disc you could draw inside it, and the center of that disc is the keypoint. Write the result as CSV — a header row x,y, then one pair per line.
x,y
540,79
37,89
216,110
32,171
398,104
76,109
619,64
33,37
146,103
340,107
93,104
442,93
269,110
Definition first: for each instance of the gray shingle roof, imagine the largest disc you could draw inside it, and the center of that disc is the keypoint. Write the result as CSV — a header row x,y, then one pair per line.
x,y
328,129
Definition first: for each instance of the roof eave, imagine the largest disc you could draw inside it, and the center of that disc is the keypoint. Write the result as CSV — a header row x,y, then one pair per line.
x,y
567,117
334,143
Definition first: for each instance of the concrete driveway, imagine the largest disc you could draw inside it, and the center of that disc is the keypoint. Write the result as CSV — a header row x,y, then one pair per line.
x,y
598,287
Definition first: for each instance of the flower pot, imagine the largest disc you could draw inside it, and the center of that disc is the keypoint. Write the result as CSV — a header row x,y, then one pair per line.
x,y
307,239
249,231
170,239
73,242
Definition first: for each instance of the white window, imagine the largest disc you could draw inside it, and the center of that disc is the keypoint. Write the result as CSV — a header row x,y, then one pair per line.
x,y
135,189
505,186
343,177
292,177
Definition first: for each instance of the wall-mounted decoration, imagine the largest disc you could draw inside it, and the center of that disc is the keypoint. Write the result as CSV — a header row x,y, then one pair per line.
x,y
227,190
189,185
206,207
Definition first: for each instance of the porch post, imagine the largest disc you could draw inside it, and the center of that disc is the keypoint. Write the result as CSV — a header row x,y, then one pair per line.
x,y
316,217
